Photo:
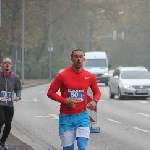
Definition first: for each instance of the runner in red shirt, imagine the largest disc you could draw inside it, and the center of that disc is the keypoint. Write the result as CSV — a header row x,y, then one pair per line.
x,y
73,83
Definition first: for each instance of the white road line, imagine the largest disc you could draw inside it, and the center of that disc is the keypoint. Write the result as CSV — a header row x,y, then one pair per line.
x,y
136,128
35,100
52,116
42,92
113,120
43,116
143,114
39,116
101,100
144,102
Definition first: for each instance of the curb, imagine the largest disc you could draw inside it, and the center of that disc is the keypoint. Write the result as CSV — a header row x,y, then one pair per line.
x,y
15,132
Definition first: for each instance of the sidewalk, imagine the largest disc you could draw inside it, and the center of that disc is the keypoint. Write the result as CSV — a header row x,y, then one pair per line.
x,y
16,139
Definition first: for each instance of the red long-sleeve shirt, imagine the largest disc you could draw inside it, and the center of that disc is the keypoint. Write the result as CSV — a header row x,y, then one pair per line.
x,y
73,84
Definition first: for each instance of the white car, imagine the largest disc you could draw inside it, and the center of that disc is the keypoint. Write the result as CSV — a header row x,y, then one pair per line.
x,y
130,82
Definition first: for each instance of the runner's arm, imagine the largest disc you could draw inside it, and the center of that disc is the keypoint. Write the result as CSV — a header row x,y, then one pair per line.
x,y
96,91
53,89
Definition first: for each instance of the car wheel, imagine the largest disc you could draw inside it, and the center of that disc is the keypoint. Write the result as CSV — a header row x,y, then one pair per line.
x,y
111,94
106,84
120,97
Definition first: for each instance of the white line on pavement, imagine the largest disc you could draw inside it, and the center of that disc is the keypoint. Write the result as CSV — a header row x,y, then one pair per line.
x,y
42,92
43,116
136,128
143,114
35,100
52,116
113,120
101,100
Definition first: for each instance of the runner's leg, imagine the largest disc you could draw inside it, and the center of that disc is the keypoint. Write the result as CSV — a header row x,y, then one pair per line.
x,y
67,139
9,112
69,147
82,143
2,117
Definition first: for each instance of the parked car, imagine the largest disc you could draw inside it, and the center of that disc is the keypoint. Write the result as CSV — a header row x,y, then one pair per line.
x,y
128,82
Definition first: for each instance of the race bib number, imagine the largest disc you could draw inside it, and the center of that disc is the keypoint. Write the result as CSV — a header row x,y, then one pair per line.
x,y
78,94
5,96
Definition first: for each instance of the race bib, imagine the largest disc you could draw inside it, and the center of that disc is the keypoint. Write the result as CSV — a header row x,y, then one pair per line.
x,y
78,94
5,96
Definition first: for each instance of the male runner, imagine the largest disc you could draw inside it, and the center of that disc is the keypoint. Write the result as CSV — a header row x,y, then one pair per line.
x,y
10,91
74,120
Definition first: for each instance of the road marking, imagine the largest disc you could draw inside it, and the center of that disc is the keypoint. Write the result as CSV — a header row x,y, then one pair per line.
x,y
101,100
144,102
43,116
42,92
145,115
35,100
113,120
136,128
52,116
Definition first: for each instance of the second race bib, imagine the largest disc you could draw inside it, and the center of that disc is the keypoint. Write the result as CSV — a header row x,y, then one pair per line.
x,y
5,96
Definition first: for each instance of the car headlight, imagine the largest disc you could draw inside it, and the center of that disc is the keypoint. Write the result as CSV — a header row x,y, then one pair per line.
x,y
127,86
106,73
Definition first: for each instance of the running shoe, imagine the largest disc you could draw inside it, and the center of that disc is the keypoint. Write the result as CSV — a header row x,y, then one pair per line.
x,y
3,145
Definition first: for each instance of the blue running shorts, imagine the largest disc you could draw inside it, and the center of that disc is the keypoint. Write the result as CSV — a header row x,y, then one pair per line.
x,y
73,126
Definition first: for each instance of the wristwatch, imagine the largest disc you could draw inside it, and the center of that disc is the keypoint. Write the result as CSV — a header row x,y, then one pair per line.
x,y
95,101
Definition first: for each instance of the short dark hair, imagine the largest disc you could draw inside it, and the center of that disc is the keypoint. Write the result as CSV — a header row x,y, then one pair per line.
x,y
77,49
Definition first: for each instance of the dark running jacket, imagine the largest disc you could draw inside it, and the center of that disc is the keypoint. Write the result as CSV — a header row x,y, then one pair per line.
x,y
8,87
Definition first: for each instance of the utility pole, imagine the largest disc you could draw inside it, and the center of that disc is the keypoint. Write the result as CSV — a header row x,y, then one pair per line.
x,y
50,49
23,7
0,12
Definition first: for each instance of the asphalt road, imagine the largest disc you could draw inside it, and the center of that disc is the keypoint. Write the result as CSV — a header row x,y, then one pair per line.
x,y
124,124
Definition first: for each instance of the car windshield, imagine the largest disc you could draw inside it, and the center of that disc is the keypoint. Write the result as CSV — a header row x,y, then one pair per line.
x,y
135,75
95,63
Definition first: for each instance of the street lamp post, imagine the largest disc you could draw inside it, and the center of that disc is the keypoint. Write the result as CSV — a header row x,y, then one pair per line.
x,y
89,19
0,11
23,7
50,44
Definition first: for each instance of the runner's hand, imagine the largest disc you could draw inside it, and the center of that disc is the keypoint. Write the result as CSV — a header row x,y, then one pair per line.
x,y
16,99
91,105
71,102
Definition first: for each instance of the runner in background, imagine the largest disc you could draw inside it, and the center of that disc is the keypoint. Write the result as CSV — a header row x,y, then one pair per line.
x,y
9,84
73,83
